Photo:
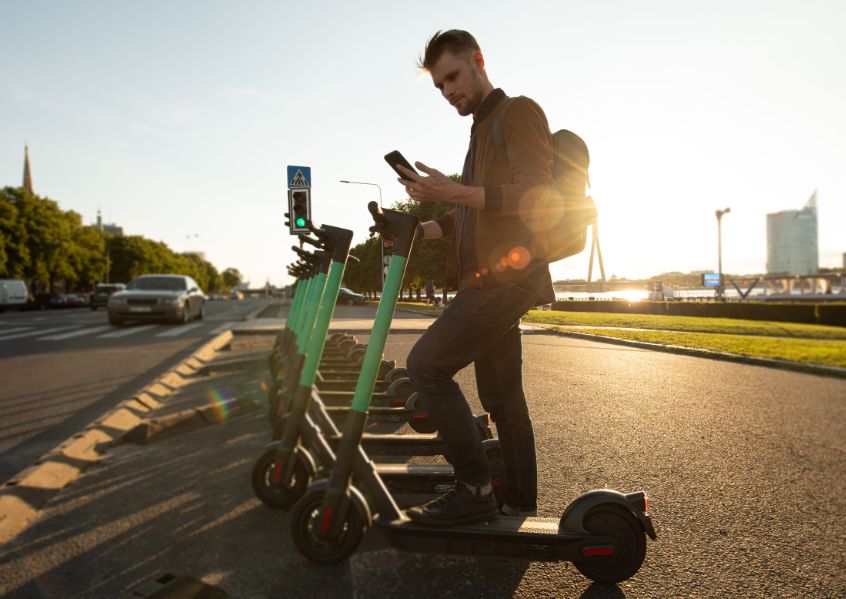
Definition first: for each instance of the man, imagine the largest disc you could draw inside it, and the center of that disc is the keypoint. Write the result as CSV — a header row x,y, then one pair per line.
x,y
430,293
493,265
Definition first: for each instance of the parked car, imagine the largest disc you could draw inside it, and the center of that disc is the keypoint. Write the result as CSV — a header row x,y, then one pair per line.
x,y
43,301
76,300
14,295
175,298
99,297
236,295
350,298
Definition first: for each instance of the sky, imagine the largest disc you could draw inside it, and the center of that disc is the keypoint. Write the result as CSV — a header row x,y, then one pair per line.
x,y
178,119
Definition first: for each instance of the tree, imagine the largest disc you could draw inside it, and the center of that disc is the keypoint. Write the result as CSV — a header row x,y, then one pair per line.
x,y
231,278
88,255
42,243
13,253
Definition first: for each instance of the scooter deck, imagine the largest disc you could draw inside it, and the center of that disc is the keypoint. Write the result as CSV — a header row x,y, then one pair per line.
x,y
417,478
539,539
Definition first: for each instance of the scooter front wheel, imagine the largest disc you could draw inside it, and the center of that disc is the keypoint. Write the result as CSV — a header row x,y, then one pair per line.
x,y
278,495
615,521
305,522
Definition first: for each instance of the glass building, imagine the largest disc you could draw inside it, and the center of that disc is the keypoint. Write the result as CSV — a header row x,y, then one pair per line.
x,y
792,241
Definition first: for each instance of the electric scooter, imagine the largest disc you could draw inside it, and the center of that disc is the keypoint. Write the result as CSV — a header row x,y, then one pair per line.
x,y
280,475
602,531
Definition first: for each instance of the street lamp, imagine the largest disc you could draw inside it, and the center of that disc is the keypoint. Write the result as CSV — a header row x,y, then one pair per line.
x,y
720,213
382,243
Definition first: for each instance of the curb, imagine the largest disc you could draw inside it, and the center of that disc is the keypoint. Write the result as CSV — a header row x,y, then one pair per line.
x,y
29,490
832,371
185,421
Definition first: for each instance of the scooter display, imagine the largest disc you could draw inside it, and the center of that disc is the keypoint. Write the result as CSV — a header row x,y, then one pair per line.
x,y
602,532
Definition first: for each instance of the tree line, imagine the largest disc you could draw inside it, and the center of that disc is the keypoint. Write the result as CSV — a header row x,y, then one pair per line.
x,y
427,260
50,248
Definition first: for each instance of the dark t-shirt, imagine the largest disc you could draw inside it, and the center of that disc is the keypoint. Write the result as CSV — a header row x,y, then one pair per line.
x,y
465,222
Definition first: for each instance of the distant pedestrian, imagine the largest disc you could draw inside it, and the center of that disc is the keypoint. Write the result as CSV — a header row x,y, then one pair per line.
x,y
431,300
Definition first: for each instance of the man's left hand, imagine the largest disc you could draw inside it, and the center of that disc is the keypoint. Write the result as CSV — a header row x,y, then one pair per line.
x,y
433,186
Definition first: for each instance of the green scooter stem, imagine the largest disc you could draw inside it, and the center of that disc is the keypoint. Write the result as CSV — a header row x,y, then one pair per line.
x,y
310,311
381,328
317,341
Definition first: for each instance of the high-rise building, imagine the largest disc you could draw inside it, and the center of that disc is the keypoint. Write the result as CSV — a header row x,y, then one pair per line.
x,y
792,241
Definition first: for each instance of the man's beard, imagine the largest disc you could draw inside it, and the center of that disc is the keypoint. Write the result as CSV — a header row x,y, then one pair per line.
x,y
471,105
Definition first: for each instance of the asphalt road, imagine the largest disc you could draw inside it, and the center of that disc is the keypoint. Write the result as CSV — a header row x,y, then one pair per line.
x,y
61,369
744,466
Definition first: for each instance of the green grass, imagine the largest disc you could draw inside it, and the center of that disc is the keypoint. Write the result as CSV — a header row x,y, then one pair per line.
x,y
805,351
725,326
794,342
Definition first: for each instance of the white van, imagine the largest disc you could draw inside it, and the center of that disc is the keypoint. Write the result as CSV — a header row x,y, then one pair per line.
x,y
13,294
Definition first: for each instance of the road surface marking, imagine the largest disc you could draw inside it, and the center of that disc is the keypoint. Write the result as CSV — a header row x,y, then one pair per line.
x,y
74,334
128,331
17,330
224,327
182,329
34,333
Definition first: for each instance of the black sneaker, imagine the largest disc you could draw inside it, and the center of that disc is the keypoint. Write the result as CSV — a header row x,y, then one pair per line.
x,y
459,506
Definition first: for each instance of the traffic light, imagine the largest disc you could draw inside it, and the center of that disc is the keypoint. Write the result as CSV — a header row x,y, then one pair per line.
x,y
299,210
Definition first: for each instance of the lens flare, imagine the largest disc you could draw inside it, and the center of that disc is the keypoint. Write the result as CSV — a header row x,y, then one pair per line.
x,y
220,402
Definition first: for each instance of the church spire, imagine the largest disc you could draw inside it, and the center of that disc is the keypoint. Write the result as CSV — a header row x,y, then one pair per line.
x,y
27,176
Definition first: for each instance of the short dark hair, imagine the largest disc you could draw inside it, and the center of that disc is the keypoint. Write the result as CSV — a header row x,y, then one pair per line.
x,y
454,40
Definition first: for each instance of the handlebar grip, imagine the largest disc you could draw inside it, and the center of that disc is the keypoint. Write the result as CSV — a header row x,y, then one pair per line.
x,y
315,242
376,212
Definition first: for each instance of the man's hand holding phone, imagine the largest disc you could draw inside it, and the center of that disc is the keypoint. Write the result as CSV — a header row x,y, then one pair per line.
x,y
432,186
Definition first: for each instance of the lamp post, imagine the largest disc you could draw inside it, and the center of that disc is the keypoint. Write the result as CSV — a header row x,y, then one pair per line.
x,y
720,213
382,243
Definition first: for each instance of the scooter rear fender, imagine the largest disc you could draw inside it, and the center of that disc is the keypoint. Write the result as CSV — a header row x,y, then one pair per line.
x,y
573,517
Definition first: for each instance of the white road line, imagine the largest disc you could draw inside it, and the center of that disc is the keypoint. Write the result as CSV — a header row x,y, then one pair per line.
x,y
224,327
181,329
34,333
17,330
128,331
74,334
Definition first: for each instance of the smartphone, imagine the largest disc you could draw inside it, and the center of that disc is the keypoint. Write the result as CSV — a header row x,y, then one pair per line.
x,y
394,158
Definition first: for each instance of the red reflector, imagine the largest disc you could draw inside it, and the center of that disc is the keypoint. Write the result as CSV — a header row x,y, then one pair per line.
x,y
327,519
420,416
277,472
598,550
496,483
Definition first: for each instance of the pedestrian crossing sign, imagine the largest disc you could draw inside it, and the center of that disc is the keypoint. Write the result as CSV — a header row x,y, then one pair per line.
x,y
299,177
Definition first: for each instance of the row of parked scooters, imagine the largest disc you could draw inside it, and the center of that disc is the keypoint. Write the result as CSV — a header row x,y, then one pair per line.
x,y
318,465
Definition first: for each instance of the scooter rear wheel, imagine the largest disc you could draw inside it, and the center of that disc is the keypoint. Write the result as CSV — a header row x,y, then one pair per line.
x,y
616,521
278,496
394,374
304,525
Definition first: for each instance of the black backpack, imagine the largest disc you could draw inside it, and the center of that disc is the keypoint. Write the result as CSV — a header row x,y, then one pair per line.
x,y
561,220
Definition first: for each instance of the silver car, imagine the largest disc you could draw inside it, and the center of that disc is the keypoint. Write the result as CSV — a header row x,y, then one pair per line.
x,y
174,298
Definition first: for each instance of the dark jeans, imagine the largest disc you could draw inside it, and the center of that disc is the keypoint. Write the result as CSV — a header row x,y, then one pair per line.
x,y
480,326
